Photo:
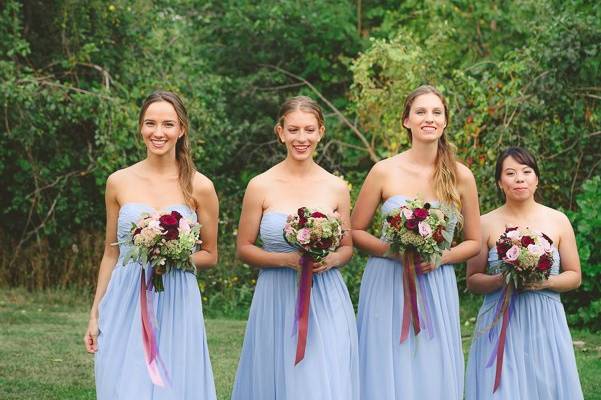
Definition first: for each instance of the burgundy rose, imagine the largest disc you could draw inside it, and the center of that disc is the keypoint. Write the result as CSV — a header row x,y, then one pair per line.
x,y
172,234
411,224
317,214
177,215
427,206
544,263
302,219
503,247
395,221
527,241
508,229
168,221
437,235
137,231
324,244
547,238
420,214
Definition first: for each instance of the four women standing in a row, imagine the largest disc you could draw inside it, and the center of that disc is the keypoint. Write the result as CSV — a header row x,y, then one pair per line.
x,y
343,359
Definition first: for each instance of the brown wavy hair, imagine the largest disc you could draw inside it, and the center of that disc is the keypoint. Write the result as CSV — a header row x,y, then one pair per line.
x,y
445,173
182,147
303,103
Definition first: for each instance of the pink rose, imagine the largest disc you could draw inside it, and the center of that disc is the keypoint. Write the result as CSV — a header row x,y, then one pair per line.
x,y
407,213
513,253
303,236
184,226
424,229
536,250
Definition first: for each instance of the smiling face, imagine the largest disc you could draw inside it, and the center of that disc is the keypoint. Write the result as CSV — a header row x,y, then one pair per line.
x,y
300,132
426,119
518,181
160,128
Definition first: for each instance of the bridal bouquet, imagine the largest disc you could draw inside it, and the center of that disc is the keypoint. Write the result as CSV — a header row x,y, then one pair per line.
x,y
420,228
315,235
418,232
527,256
165,241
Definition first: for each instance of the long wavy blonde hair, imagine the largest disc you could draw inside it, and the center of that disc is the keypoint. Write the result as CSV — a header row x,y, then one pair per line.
x,y
445,172
182,147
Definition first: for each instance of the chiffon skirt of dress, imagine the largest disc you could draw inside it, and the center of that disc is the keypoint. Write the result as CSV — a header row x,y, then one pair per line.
x,y
120,366
538,360
429,365
329,370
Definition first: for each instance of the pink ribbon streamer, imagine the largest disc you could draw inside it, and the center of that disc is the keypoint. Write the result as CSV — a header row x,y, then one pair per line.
x,y
154,364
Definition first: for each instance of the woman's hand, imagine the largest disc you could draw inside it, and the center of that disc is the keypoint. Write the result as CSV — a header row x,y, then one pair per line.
x,y
327,263
91,337
540,285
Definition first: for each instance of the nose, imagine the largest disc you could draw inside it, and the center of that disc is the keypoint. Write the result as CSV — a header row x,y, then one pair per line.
x,y
429,117
519,177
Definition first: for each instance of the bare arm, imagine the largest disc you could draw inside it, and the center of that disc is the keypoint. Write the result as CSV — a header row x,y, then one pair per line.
x,y
363,212
109,259
208,216
478,281
248,229
570,277
345,252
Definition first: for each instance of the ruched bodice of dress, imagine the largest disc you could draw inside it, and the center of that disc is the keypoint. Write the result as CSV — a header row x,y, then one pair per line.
x,y
272,232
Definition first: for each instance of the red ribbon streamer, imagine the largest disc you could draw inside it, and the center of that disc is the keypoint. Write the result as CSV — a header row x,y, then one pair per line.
x,y
302,306
410,309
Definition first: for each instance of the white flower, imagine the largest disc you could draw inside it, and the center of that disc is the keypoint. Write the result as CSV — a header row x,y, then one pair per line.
x,y
545,245
514,234
424,229
536,250
184,226
407,213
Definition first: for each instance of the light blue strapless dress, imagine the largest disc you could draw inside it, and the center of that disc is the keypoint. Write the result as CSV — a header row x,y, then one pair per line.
x,y
120,367
266,370
423,367
538,362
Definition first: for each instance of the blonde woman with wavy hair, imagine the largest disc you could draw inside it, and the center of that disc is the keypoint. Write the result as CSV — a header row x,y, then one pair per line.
x,y
118,334
427,365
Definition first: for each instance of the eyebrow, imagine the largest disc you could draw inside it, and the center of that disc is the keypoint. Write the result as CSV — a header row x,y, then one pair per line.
x,y
153,120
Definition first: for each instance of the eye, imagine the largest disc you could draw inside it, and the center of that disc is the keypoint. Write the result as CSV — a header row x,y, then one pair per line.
x,y
437,112
420,112
149,123
169,124
292,130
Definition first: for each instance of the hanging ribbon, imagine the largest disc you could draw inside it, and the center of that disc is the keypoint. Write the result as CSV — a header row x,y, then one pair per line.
x,y
410,309
504,310
151,350
303,299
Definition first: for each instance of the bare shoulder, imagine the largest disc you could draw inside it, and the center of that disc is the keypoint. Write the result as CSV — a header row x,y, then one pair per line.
x,y
556,216
338,184
261,181
382,167
464,174
202,185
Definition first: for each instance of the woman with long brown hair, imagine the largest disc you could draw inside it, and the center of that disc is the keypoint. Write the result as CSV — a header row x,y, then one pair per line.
x,y
177,366
399,363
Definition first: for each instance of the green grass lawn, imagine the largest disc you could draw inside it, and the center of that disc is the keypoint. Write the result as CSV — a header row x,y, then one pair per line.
x,y
42,354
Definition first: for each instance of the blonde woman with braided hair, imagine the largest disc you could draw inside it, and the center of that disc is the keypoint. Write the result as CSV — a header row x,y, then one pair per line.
x,y
397,363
